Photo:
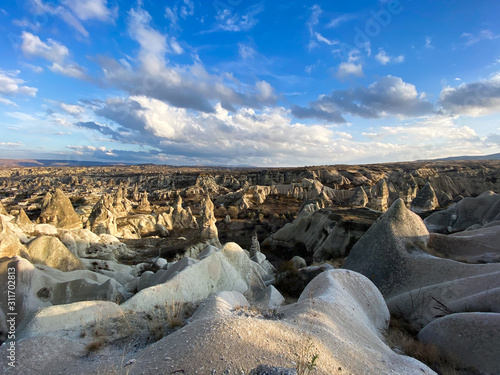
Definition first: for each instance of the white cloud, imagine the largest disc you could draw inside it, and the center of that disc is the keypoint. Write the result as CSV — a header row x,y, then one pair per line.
x,y
39,7
69,70
11,144
336,22
388,96
385,59
52,50
176,46
483,35
322,39
473,99
245,51
347,69
72,109
21,116
92,9
428,42
229,21
11,85
8,102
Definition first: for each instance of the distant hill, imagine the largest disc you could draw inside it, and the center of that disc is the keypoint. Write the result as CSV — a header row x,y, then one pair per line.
x,y
482,157
52,163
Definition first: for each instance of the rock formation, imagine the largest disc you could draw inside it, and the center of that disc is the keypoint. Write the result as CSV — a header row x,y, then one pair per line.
x,y
2,209
10,245
425,200
144,205
359,198
414,283
102,219
467,213
51,251
208,230
379,199
22,221
255,247
57,210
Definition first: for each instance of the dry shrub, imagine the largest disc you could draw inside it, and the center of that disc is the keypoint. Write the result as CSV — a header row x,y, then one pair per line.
x,y
233,212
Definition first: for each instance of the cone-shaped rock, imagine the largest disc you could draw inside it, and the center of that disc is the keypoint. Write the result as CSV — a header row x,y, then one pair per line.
x,y
58,210
2,209
359,198
425,200
208,230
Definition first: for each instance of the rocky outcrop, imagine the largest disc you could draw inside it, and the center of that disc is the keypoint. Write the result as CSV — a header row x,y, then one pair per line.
x,y
103,218
325,234
58,210
208,230
414,283
10,245
51,252
144,205
425,200
467,213
359,198
2,209
255,246
379,199
22,221
194,281
43,286
177,217
341,316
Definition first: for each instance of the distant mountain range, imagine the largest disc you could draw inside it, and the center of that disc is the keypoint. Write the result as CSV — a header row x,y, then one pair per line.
x,y
483,157
53,163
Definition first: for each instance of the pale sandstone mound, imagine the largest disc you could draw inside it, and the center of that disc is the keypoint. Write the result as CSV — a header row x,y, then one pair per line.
x,y
469,339
379,199
23,222
466,213
414,283
144,204
3,211
425,200
58,210
52,252
194,281
340,315
42,286
10,245
208,230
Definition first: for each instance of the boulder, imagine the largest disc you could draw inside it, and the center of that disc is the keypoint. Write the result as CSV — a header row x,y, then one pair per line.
x,y
468,339
2,209
52,252
414,283
58,210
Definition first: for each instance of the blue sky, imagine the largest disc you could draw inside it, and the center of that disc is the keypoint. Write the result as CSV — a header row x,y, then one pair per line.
x,y
243,82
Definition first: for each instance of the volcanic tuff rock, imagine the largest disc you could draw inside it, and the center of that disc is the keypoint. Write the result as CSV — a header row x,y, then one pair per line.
x,y
22,221
468,212
469,339
57,210
359,198
414,283
425,200
52,252
103,218
2,209
208,230
10,245
341,314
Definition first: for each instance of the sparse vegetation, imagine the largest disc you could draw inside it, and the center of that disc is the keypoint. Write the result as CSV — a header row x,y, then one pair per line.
x,y
233,212
307,357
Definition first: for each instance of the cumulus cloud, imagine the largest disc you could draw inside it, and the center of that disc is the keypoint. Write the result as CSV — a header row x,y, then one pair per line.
x,y
72,109
11,85
473,99
11,144
388,96
385,59
53,51
267,137
347,69
184,86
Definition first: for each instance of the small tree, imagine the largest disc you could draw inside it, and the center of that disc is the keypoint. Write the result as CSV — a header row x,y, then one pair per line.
x,y
233,212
